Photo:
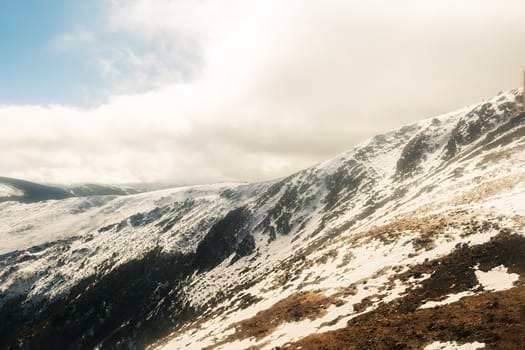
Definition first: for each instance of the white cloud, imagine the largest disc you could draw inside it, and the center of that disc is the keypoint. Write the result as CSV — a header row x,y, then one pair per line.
x,y
274,86
72,40
184,18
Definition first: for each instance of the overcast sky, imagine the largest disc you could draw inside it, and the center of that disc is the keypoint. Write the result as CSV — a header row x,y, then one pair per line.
x,y
188,91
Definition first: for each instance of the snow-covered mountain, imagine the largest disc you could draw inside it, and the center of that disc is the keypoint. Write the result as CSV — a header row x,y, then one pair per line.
x,y
412,240
30,192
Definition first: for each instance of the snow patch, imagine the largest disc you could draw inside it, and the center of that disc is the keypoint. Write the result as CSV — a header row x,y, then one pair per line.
x,y
9,191
454,346
451,298
497,279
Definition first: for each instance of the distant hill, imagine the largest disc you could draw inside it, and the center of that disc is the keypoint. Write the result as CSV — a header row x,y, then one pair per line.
x,y
30,192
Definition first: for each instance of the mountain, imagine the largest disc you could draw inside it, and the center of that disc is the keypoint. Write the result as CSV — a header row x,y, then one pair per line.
x,y
31,192
414,239
28,192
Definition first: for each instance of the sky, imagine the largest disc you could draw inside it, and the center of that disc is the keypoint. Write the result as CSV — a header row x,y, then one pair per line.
x,y
201,91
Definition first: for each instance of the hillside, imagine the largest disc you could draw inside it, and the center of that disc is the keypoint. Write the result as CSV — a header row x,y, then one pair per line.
x,y
414,239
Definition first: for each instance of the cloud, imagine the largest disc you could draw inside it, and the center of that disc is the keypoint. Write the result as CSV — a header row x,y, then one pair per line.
x,y
249,90
72,40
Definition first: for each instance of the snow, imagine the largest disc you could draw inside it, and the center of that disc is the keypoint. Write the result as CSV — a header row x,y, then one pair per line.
x,y
451,298
454,346
9,191
511,203
497,279
26,225
84,248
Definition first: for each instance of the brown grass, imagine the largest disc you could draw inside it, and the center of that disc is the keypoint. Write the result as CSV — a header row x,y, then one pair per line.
x,y
428,228
494,318
489,189
296,307
496,157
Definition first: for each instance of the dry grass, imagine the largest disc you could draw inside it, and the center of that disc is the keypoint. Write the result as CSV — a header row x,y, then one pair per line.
x,y
323,259
428,228
494,318
488,189
295,308
496,156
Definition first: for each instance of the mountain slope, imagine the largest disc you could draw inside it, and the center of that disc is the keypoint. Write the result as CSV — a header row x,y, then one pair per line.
x,y
378,248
